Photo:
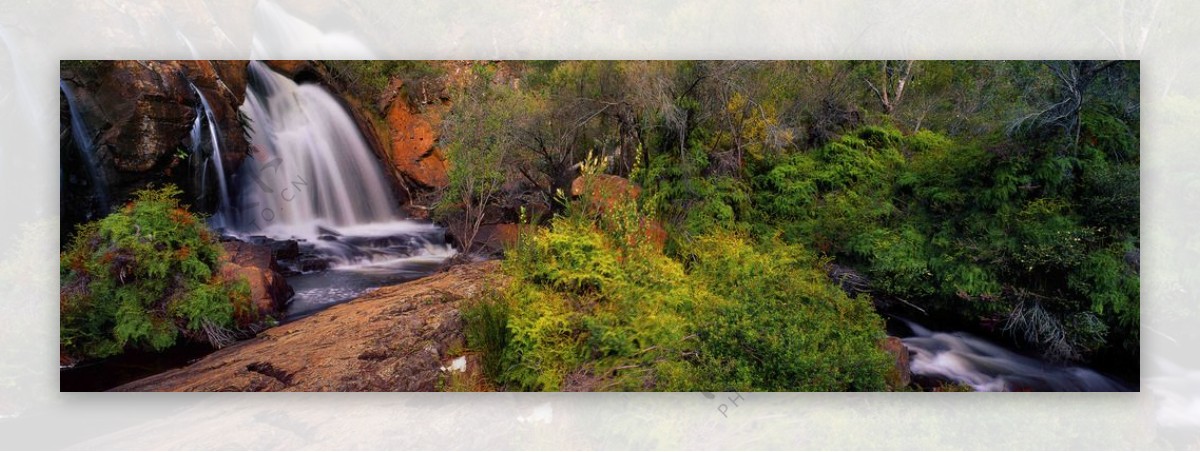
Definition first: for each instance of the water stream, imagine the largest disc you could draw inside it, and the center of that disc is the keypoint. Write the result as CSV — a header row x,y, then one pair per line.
x,y
205,112
984,366
83,138
312,179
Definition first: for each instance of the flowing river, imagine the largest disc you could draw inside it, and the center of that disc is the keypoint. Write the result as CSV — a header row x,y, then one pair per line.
x,y
963,358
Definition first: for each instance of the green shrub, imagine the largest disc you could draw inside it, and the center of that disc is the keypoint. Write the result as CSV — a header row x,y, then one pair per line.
x,y
142,277
590,307
587,304
783,326
486,328
1035,235
367,79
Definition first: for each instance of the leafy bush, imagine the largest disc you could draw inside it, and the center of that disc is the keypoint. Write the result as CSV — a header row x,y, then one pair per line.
x,y
367,79
588,305
591,307
962,215
486,329
142,277
1034,235
782,325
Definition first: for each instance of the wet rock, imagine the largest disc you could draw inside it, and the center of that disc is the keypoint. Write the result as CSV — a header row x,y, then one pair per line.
x,y
223,85
309,264
496,238
396,338
326,231
139,116
285,249
419,213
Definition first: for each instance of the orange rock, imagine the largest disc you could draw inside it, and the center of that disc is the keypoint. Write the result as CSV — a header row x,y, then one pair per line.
x,y
901,376
499,237
269,291
605,190
654,232
413,152
288,67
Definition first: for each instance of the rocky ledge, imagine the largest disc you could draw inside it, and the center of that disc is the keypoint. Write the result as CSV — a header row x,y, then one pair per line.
x,y
393,339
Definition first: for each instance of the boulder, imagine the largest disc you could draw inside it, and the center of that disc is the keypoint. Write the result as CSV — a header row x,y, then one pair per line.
x,y
396,338
289,68
269,291
603,191
284,249
654,232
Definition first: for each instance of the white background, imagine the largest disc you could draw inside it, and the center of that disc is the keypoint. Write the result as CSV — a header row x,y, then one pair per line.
x,y
35,35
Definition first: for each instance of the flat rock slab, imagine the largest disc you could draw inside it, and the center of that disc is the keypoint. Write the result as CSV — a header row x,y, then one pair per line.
x,y
392,339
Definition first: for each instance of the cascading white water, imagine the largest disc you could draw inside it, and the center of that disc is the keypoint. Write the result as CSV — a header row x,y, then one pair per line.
x,y
311,167
312,177
224,208
984,366
83,141
196,141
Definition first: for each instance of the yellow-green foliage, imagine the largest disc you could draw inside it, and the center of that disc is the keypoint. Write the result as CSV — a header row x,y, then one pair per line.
x,y
141,277
783,326
591,308
584,303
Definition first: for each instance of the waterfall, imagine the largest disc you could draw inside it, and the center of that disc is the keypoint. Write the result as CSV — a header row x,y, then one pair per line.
x,y
82,137
312,177
985,366
224,208
311,167
199,161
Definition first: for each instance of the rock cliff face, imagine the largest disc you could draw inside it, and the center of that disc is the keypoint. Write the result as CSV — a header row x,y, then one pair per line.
x,y
138,117
412,150
393,339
